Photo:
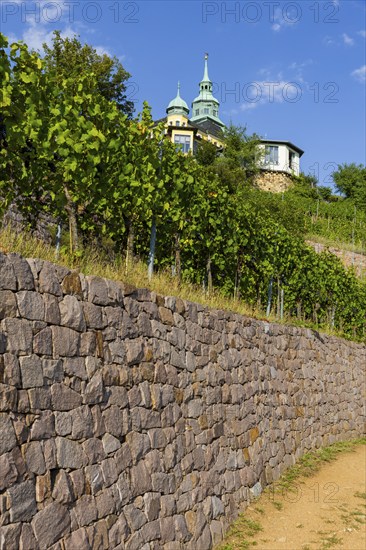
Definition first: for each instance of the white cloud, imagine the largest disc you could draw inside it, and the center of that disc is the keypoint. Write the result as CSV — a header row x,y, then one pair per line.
x,y
360,74
283,18
362,33
328,40
347,40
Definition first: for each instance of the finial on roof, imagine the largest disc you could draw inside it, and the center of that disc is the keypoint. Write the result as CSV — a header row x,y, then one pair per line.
x,y
205,73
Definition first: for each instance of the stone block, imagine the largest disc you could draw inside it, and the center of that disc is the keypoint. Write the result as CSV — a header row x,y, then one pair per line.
x,y
39,399
135,518
113,420
141,482
82,422
51,309
70,454
7,434
30,305
52,370
27,539
118,532
8,471
23,504
34,458
22,271
63,489
8,304
135,351
94,316
152,505
8,398
78,540
7,274
94,391
94,450
110,443
66,342
48,280
11,370
31,371
50,524
85,510
19,335
64,398
42,343
10,536
71,312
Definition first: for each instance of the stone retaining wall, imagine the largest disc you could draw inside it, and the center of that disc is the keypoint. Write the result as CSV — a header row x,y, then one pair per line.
x,y
276,182
135,421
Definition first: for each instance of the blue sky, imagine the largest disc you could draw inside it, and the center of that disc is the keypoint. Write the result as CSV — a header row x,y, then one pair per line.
x,y
286,70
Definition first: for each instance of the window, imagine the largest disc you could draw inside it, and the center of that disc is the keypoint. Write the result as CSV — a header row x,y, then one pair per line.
x,y
291,159
215,113
271,154
183,143
197,112
170,123
177,123
206,111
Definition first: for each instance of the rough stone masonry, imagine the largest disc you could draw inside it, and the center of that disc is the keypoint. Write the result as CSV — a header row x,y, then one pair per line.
x,y
135,421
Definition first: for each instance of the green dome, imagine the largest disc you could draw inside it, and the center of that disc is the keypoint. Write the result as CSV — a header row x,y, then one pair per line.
x,y
178,105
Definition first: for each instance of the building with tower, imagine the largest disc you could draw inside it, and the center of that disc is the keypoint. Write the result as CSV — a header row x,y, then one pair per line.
x,y
280,159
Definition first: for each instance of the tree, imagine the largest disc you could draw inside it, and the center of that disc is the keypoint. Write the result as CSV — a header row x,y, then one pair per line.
x,y
350,180
68,58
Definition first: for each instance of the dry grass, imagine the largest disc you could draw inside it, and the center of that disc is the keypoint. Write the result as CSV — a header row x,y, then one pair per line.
x,y
93,262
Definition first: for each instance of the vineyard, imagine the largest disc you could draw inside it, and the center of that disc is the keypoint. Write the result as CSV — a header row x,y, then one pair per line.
x,y
114,182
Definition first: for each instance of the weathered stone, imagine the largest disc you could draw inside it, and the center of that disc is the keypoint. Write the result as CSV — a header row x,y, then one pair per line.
x,y
8,304
94,478
51,309
78,482
39,399
135,352
98,535
64,398
49,451
65,342
113,421
44,426
8,471
48,280
7,274
78,540
82,423
27,540
7,434
105,502
70,454
30,305
23,273
23,504
52,369
72,313
43,487
42,343
72,284
152,505
141,482
98,291
10,536
135,517
19,335
85,510
87,344
93,448
50,524
31,370
94,316
34,458
94,390
166,316
63,489
11,370
8,398
119,532
110,443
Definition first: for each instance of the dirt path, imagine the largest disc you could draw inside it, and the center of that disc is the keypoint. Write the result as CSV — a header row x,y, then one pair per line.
x,y
326,511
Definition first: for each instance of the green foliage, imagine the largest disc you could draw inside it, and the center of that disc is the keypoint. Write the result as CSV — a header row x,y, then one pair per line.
x,y
69,58
350,180
69,150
